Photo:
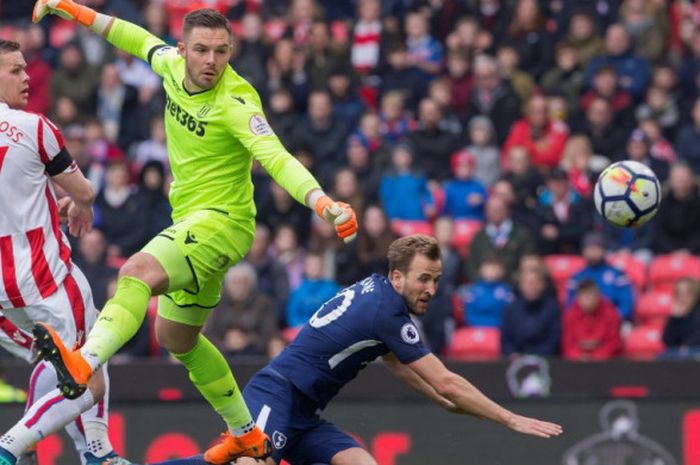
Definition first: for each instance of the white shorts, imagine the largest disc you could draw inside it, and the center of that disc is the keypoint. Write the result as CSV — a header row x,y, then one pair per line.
x,y
70,311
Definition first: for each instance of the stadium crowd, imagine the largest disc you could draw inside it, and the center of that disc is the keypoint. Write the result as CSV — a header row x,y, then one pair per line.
x,y
482,122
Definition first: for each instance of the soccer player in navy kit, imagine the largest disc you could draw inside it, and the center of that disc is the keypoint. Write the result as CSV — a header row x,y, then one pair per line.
x,y
368,319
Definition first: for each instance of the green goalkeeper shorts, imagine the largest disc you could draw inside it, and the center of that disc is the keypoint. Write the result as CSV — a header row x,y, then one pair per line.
x,y
196,252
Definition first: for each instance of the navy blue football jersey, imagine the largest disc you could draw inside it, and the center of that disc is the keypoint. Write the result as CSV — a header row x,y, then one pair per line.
x,y
360,323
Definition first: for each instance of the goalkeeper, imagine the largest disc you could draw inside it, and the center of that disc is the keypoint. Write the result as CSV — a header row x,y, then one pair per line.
x,y
215,127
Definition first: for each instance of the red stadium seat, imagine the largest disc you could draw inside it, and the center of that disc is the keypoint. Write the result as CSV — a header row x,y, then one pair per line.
x,y
665,270
408,227
475,344
562,267
464,232
643,343
653,308
635,269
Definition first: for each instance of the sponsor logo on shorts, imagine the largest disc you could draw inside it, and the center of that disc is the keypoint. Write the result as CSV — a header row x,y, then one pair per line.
x,y
409,333
229,393
190,239
279,440
258,125
221,261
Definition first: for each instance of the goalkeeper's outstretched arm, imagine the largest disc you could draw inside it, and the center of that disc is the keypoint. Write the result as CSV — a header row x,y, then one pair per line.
x,y
122,34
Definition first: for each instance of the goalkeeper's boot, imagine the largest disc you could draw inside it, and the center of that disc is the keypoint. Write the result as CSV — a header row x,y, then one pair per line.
x,y
6,457
254,444
110,458
72,370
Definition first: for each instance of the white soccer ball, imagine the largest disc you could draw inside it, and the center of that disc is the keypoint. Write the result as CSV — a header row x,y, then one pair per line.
x,y
627,194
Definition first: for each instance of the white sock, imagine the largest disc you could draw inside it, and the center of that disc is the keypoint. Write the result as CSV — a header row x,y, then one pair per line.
x,y
91,358
48,414
95,422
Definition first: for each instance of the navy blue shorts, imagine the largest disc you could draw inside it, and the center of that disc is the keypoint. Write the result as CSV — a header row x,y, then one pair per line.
x,y
298,434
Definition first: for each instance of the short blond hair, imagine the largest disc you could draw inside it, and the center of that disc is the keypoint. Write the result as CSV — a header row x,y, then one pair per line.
x,y
402,251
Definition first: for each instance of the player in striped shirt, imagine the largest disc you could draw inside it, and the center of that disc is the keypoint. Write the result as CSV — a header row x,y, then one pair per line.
x,y
39,281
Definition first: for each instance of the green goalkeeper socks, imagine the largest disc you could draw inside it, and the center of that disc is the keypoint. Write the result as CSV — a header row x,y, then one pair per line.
x,y
120,319
211,374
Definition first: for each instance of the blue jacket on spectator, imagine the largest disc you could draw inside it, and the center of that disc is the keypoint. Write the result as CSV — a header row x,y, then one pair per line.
x,y
688,146
307,298
630,68
457,192
404,196
531,327
484,302
613,284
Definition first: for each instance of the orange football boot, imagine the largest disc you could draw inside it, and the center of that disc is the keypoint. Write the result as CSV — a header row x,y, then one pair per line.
x,y
72,370
253,444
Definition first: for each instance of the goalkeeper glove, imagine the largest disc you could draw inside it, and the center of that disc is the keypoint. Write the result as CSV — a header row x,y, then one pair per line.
x,y
338,214
66,9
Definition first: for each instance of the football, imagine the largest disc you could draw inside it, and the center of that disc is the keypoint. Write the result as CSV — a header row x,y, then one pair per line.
x,y
627,194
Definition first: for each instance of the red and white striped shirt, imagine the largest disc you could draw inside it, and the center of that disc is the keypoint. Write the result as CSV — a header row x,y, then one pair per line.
x,y
34,252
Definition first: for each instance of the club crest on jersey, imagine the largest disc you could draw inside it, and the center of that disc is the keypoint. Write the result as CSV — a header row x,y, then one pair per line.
x,y
259,126
409,333
279,440
204,111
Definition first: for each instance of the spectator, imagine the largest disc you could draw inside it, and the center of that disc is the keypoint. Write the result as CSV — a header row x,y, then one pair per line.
x,y
438,323
403,190
483,146
659,147
493,97
74,79
91,258
272,279
156,21
312,292
282,116
302,14
433,146
118,109
321,60
677,222
528,32
521,82
138,74
566,77
564,216
494,16
281,209
606,85
322,133
660,107
346,189
440,91
583,37
634,72
639,149
500,237
543,137
402,75
591,326
531,323
154,148
244,323
525,178
289,253
74,136
688,140
285,70
465,196
690,67
461,80
612,283
366,168
521,212
647,24
608,139
155,208
373,241
682,330
347,105
249,51
580,167
118,212
31,41
424,51
365,53
485,299
396,122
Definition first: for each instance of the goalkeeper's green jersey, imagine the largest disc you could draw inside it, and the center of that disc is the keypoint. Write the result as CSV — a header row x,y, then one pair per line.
x,y
213,135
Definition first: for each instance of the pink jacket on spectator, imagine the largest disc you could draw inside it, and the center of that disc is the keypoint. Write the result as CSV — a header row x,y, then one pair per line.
x,y
545,151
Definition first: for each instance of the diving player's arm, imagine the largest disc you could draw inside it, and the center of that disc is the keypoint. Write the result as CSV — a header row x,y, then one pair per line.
x,y
122,34
470,400
409,377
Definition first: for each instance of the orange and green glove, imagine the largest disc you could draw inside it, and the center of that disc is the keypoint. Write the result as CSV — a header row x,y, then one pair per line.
x,y
66,9
340,215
